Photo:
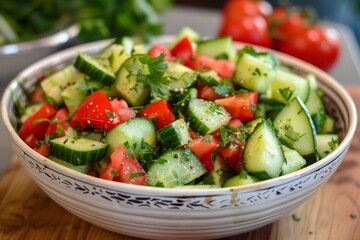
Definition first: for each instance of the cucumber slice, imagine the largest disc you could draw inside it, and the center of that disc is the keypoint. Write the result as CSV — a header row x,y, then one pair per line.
x,y
251,125
181,76
133,131
326,143
79,168
175,167
78,151
91,67
296,129
293,162
206,117
175,134
253,73
58,82
135,93
221,47
263,154
329,126
285,79
74,95
116,54
242,178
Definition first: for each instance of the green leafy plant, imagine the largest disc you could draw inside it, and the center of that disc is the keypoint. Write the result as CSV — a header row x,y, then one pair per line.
x,y
25,20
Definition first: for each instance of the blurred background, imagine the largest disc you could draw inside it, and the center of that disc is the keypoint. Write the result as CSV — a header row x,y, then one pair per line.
x,y
342,11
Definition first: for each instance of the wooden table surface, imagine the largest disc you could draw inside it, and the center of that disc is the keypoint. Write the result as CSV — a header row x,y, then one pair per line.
x,y
332,213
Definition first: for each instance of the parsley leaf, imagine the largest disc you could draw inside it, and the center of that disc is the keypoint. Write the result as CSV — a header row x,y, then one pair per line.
x,y
286,93
151,71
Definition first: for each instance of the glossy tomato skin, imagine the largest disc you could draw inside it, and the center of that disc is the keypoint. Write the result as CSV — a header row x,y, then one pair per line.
x,y
124,168
160,111
225,68
183,50
158,49
247,29
317,45
240,106
206,92
204,148
234,8
34,128
97,112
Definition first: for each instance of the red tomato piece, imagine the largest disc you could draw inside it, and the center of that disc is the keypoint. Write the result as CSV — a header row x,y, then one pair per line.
x,y
123,110
61,124
234,8
34,128
95,111
240,106
201,62
124,168
183,50
224,68
159,110
206,92
233,154
158,49
43,149
204,147
317,45
247,29
37,95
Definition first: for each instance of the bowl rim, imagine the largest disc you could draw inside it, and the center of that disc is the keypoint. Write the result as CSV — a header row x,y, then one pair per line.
x,y
69,54
60,37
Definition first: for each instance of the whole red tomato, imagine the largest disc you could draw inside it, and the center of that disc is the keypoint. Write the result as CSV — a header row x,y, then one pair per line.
x,y
248,29
317,45
234,8
283,21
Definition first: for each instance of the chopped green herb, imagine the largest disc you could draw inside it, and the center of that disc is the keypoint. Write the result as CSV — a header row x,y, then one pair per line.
x,y
295,217
110,114
286,93
136,174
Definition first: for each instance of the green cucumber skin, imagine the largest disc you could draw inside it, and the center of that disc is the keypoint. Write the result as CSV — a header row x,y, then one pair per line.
x,y
126,84
296,116
89,66
263,154
133,131
174,135
176,168
78,151
205,120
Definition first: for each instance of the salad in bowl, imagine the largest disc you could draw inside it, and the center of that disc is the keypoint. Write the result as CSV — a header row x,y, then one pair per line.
x,y
191,113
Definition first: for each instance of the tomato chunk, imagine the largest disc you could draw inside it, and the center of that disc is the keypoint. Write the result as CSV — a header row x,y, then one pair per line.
x,y
240,106
61,124
183,50
158,49
34,128
95,111
123,110
124,168
204,148
160,111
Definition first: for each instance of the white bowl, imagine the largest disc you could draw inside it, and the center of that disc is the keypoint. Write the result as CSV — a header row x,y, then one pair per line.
x,y
160,213
15,57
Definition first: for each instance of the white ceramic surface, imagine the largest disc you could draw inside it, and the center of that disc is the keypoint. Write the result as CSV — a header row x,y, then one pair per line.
x,y
159,213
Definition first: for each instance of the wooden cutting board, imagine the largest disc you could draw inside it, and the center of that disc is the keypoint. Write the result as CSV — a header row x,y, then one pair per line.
x,y
332,213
